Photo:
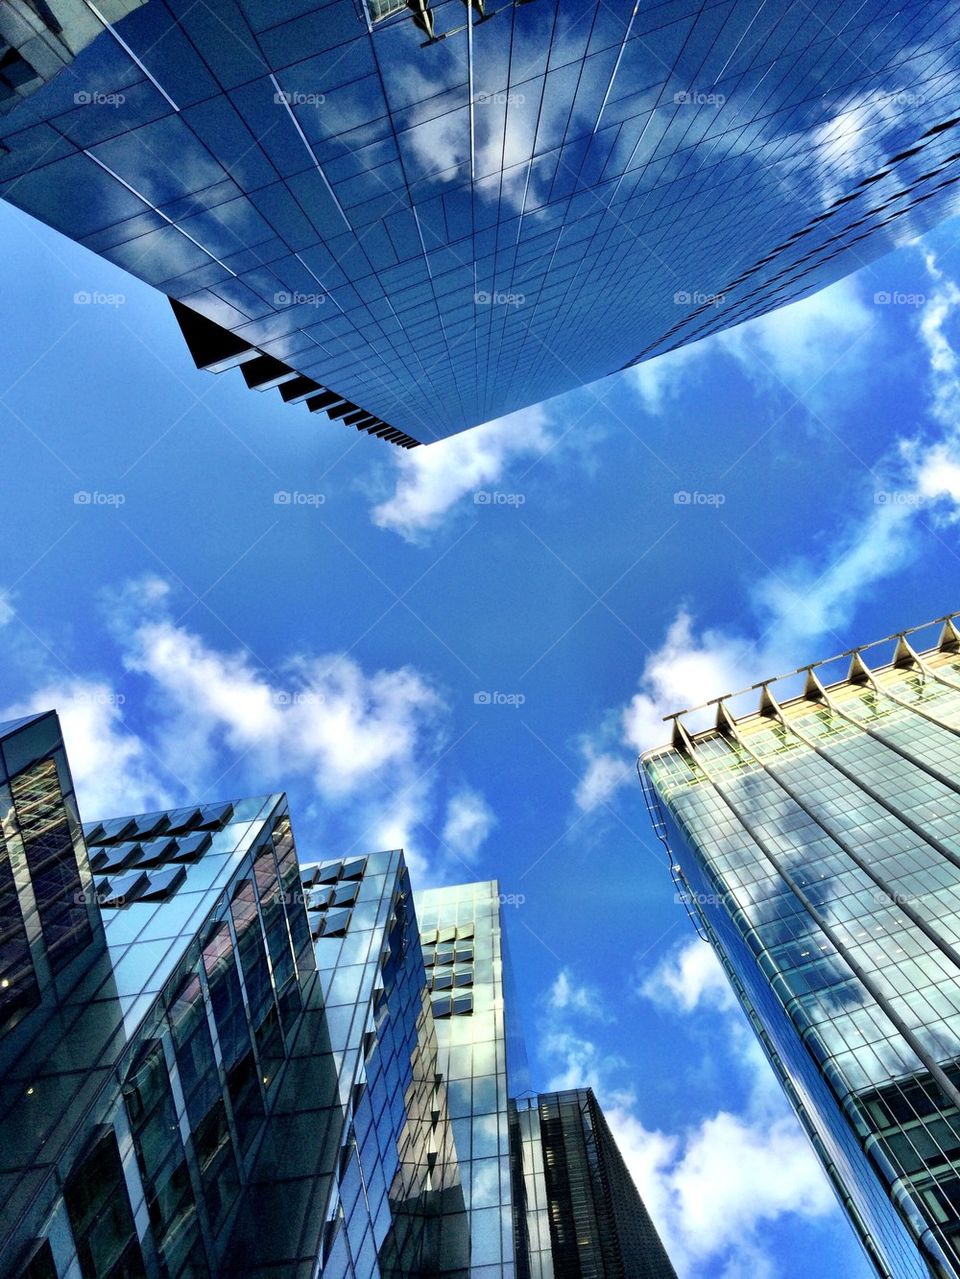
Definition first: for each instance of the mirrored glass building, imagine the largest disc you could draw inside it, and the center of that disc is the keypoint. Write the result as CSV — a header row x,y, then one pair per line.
x,y
816,845
415,217
579,1211
220,1060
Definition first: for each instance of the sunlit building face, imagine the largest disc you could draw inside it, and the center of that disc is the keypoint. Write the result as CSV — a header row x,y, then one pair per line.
x,y
816,845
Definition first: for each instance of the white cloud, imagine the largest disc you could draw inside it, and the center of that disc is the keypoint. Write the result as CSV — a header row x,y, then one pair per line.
x,y
431,480
800,604
801,343
605,773
687,978
659,380
566,994
714,1183
797,345
114,772
7,611
360,743
469,821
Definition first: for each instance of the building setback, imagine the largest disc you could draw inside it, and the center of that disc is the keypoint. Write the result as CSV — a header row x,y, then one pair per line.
x,y
220,1060
415,217
816,845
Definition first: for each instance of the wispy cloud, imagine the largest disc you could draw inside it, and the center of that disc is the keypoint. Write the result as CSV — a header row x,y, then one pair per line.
x,y
793,347
712,1183
363,743
800,603
430,481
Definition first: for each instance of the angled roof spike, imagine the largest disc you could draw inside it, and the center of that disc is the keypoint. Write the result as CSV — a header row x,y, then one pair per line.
x,y
859,672
949,640
768,703
213,347
680,739
725,722
813,690
904,655
325,400
264,372
298,389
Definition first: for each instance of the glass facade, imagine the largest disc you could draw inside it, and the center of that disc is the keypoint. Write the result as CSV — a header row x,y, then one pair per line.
x,y
579,1212
462,937
417,217
817,846
218,1061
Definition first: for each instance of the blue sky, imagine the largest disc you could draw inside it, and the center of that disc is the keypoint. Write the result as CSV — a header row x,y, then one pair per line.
x,y
224,596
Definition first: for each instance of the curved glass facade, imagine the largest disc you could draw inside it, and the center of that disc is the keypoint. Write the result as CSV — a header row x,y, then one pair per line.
x,y
817,845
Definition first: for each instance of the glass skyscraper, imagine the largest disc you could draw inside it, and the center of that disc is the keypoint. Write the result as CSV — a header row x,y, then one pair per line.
x,y
414,217
816,845
579,1212
220,1060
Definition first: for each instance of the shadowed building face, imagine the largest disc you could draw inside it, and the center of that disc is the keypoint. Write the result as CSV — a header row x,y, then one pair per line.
x,y
415,218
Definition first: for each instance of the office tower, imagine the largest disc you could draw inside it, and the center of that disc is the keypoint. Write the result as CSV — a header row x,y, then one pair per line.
x,y
217,1061
184,1091
481,1054
816,844
579,1214
415,217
